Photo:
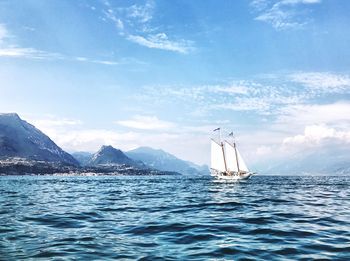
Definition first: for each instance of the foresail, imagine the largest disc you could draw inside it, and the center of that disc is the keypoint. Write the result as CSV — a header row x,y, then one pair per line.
x,y
217,157
242,165
230,157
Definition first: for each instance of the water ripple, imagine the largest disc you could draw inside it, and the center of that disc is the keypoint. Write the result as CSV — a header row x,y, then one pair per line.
x,y
172,218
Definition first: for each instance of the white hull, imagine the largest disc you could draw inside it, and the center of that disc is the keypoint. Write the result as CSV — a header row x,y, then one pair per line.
x,y
230,176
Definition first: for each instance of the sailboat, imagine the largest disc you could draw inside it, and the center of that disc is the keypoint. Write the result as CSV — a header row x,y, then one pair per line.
x,y
226,161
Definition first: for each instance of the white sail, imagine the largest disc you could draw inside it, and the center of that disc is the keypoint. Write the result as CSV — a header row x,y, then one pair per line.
x,y
217,157
242,165
230,157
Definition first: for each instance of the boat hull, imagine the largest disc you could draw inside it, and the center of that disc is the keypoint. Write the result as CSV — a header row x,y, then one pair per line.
x,y
231,175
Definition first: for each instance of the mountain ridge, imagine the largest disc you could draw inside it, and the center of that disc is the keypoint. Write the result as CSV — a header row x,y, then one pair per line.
x,y
159,159
19,138
108,155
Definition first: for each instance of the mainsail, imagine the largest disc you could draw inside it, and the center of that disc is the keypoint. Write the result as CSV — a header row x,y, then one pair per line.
x,y
232,158
217,157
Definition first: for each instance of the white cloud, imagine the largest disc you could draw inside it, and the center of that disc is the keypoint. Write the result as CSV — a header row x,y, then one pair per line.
x,y
302,115
81,59
89,60
259,4
119,23
105,62
14,51
323,81
52,122
110,14
8,49
245,104
278,19
52,125
238,96
146,123
282,14
315,134
134,24
294,2
302,127
92,139
231,89
142,12
161,41
282,96
71,135
32,53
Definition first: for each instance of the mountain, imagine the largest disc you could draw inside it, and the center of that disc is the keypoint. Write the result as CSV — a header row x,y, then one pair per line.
x,y
19,139
82,157
108,155
26,150
161,160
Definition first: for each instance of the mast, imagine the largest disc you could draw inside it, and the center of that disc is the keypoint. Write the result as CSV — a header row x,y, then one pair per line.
x,y
221,144
223,154
223,150
234,145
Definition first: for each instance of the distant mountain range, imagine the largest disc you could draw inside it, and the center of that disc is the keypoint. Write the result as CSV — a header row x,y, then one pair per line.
x,y
162,160
143,157
25,149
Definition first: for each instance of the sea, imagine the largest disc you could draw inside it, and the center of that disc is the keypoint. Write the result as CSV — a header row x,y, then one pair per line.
x,y
174,218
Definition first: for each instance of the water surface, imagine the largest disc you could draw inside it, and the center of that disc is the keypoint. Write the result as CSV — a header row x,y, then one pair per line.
x,y
172,218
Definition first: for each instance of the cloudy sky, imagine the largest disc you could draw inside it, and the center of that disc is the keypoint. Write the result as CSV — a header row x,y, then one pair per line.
x,y
164,74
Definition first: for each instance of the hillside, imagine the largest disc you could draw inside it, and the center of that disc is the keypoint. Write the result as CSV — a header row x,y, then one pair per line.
x,y
19,139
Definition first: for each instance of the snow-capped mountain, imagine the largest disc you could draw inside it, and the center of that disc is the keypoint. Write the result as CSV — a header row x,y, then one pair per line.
x,y
161,160
19,139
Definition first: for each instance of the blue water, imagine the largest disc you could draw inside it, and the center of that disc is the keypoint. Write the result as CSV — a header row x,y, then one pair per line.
x,y
172,218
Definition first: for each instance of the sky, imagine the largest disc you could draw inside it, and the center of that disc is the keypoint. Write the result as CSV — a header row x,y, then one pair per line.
x,y
164,74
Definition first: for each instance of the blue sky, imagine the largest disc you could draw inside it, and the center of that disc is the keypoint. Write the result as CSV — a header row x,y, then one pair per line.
x,y
165,73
